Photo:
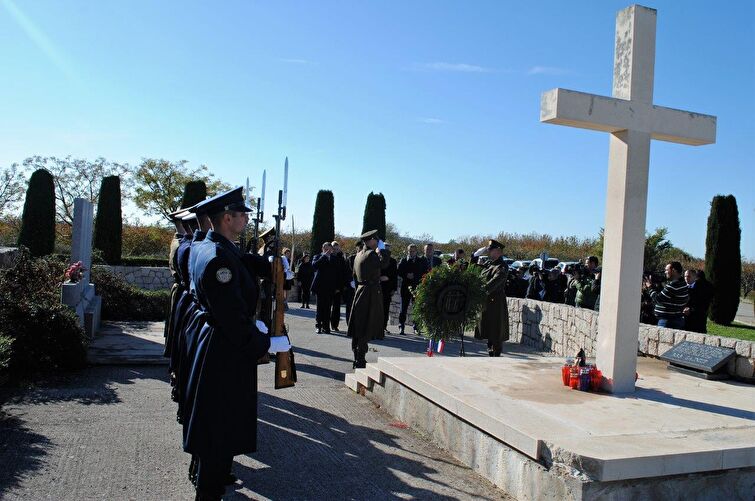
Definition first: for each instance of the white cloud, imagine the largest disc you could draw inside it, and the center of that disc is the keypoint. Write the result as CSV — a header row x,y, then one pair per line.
x,y
547,70
430,120
456,67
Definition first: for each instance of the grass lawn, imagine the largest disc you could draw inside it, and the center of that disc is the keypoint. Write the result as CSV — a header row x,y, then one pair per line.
x,y
738,331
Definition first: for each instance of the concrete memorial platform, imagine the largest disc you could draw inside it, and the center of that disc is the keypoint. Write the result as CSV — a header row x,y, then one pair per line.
x,y
512,420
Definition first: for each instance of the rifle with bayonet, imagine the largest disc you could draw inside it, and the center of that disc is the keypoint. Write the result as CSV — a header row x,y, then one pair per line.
x,y
285,367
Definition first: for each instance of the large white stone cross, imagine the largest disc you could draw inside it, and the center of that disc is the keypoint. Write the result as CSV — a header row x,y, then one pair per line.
x,y
633,121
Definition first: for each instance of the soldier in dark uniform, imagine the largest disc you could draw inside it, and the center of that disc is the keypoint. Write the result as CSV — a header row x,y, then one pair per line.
x,y
176,289
366,322
494,319
221,396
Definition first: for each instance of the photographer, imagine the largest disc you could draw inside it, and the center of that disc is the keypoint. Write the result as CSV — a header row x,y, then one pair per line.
x,y
671,300
536,286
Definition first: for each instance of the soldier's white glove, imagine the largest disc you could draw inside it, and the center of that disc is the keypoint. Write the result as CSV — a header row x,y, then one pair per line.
x,y
261,326
479,252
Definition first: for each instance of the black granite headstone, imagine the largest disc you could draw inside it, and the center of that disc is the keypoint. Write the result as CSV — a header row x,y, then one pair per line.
x,y
701,357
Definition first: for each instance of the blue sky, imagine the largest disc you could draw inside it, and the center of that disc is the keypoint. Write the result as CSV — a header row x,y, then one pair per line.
x,y
434,104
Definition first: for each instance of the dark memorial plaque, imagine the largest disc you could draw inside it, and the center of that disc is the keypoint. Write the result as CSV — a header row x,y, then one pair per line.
x,y
701,357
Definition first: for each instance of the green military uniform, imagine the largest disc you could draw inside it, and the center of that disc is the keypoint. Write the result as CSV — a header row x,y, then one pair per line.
x,y
493,324
366,319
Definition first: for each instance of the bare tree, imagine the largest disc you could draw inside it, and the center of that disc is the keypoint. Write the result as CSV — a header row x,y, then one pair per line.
x,y
79,178
160,184
12,188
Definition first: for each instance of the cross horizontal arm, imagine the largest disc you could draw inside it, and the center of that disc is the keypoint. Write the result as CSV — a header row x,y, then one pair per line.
x,y
608,114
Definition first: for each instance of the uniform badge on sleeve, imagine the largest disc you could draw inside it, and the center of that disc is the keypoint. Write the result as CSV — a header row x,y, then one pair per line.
x,y
224,275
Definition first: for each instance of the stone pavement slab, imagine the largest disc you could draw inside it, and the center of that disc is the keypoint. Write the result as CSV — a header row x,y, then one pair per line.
x,y
673,424
109,432
128,343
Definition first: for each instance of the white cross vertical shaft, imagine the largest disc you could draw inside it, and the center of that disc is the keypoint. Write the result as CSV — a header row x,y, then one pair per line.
x,y
633,121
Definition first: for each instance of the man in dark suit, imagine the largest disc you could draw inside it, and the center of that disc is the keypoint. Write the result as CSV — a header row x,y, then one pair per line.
x,y
389,283
220,419
430,259
343,280
324,285
700,295
351,288
410,269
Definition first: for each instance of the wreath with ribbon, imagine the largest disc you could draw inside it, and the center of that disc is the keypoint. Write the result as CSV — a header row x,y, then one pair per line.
x,y
447,300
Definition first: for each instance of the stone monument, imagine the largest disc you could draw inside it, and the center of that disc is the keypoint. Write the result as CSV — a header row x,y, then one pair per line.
x,y
80,296
632,120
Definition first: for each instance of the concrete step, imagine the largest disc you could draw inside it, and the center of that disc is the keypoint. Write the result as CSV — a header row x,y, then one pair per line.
x,y
374,373
363,378
351,382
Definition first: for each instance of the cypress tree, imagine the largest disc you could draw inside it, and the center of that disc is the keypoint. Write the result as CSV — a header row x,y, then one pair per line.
x,y
108,225
38,219
194,192
323,222
374,214
723,260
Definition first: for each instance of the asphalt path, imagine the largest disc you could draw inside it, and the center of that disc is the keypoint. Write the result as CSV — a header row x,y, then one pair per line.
x,y
109,432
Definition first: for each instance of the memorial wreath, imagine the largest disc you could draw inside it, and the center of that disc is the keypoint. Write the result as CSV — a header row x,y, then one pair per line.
x,y
447,300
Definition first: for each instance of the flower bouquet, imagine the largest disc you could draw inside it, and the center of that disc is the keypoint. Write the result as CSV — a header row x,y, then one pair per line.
x,y
75,272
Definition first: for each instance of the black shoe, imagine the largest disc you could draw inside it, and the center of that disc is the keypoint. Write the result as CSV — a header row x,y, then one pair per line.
x,y
360,364
401,330
319,331
335,329
302,306
326,331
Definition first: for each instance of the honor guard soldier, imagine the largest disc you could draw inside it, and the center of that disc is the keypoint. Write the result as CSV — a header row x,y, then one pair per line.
x,y
493,324
366,321
220,419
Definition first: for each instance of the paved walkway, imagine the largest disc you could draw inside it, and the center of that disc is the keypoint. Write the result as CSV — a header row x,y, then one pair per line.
x,y
745,313
109,432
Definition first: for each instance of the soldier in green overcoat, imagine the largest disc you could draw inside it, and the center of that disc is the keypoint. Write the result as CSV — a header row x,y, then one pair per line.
x,y
493,324
366,319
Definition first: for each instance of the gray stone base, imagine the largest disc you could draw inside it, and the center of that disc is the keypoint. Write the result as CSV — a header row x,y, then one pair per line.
x,y
525,478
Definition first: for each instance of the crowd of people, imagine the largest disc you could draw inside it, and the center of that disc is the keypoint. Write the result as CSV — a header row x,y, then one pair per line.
x,y
678,300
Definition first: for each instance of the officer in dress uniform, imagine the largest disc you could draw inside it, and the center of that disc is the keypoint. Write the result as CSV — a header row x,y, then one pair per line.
x,y
493,324
221,397
175,290
366,321
181,264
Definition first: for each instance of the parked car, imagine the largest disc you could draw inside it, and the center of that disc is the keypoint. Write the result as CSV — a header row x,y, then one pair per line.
x,y
563,264
550,262
520,264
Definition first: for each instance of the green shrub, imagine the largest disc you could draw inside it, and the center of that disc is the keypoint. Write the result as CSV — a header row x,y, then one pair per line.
x,y
123,301
323,221
194,192
6,343
108,225
38,219
723,259
374,214
45,334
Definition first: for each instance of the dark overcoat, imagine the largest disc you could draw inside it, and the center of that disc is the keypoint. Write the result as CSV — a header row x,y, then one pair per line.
x,y
182,301
328,274
221,395
175,291
494,319
366,319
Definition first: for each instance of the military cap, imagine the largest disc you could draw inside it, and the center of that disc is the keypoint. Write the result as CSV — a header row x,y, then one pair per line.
x,y
190,216
494,244
268,233
177,215
369,235
232,200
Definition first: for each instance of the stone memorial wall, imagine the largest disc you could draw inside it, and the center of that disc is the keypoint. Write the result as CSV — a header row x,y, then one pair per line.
x,y
149,278
563,330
